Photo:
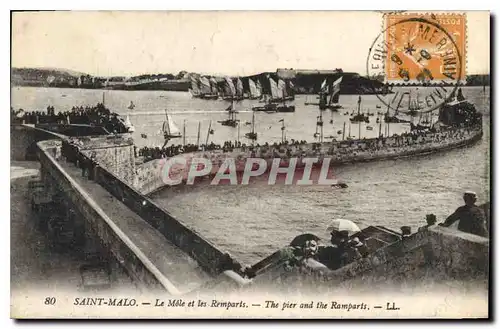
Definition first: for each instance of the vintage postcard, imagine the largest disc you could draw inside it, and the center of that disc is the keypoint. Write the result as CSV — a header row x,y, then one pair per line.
x,y
270,165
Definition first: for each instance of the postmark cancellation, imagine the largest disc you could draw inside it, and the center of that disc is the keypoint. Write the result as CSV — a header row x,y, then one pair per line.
x,y
425,48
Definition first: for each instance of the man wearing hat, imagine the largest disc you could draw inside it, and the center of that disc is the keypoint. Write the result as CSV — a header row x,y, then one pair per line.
x,y
471,217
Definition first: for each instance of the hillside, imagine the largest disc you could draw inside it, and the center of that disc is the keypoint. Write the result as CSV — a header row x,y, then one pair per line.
x,y
305,82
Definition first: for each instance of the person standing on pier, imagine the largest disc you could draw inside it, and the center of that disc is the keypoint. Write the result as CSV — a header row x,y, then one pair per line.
x,y
471,218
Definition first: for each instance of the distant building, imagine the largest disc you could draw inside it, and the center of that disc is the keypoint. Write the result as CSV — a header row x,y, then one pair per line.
x,y
51,79
286,73
115,81
291,73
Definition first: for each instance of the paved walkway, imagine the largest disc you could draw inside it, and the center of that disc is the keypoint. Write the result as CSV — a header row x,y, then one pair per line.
x,y
177,267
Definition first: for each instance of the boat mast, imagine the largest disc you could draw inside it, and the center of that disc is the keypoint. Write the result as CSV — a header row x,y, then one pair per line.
x,y
380,128
184,134
253,122
359,122
409,101
282,130
208,132
321,127
168,124
332,90
253,128
232,113
198,137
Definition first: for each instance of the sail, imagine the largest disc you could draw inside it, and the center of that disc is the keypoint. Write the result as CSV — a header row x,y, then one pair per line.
x,y
253,88
323,88
205,86
282,88
127,121
195,90
239,87
171,128
259,88
229,88
274,89
335,92
213,83
453,95
291,88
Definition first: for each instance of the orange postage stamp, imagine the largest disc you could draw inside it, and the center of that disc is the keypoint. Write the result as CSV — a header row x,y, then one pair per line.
x,y
425,48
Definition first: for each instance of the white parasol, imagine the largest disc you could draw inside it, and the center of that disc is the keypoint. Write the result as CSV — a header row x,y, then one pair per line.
x,y
343,225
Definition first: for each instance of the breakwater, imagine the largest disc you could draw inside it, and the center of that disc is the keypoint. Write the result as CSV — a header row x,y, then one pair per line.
x,y
150,176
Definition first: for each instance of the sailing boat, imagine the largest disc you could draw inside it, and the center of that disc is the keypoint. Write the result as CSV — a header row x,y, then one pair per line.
x,y
195,88
239,89
275,94
323,90
215,89
283,92
255,93
231,121
290,91
284,107
426,119
252,135
319,124
229,89
360,117
259,88
128,125
334,93
421,125
412,106
394,118
270,105
206,89
170,130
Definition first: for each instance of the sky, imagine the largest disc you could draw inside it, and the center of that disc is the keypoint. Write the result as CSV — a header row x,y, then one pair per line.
x,y
234,43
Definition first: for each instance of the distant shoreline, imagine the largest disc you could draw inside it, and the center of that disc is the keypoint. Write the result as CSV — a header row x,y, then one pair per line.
x,y
111,89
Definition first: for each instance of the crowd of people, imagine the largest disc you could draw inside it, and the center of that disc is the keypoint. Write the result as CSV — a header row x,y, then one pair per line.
x,y
150,153
340,151
97,115
70,150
